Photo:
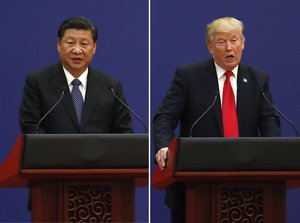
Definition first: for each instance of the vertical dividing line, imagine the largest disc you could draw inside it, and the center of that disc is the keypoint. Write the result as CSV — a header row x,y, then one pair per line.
x,y
149,111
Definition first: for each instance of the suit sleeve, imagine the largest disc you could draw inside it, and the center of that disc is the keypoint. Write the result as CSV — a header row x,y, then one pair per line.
x,y
170,111
269,123
30,108
121,118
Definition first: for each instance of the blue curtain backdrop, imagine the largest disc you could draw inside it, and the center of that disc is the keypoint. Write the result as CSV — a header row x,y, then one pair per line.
x,y
28,42
272,30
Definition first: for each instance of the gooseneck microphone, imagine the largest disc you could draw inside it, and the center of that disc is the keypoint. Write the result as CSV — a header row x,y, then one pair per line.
x,y
63,89
207,110
123,103
288,120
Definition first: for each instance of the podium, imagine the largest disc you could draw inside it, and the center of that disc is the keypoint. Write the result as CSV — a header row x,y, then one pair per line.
x,y
78,177
233,180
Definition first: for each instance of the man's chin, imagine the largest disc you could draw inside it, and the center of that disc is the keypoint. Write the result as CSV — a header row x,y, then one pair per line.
x,y
230,65
77,66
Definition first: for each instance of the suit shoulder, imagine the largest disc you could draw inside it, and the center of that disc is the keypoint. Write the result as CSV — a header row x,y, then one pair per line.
x,y
104,77
256,72
191,67
195,70
42,72
253,69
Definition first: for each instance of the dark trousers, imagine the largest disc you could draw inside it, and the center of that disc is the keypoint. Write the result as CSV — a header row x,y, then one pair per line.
x,y
175,200
177,216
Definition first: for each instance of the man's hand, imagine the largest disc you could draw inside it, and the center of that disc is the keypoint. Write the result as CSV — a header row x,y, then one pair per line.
x,y
161,157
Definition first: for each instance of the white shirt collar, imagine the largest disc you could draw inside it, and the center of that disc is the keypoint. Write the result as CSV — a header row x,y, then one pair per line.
x,y
220,71
82,77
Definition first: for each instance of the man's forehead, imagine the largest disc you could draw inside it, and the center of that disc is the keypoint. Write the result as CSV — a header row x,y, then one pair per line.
x,y
222,34
75,32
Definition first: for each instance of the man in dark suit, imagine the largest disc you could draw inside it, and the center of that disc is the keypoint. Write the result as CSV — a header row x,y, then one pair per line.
x,y
98,110
193,91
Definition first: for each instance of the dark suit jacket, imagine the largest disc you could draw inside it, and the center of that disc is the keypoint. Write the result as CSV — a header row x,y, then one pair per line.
x,y
192,92
102,113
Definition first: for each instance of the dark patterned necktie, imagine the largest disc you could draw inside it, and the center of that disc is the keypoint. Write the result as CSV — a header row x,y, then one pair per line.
x,y
229,116
77,99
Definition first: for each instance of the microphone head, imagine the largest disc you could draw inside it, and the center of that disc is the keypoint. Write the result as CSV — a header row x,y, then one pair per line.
x,y
111,89
64,88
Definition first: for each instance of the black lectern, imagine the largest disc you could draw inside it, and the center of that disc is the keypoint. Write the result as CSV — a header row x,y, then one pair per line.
x,y
233,180
81,177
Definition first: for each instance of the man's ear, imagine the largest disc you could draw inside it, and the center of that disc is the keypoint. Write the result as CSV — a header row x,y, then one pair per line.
x,y
95,47
58,43
209,47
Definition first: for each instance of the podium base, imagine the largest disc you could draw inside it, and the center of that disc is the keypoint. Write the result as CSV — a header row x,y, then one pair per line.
x,y
221,202
83,201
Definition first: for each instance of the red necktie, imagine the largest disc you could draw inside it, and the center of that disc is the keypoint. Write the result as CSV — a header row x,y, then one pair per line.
x,y
230,122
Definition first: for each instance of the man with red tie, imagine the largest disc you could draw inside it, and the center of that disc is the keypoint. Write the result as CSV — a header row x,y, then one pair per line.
x,y
233,90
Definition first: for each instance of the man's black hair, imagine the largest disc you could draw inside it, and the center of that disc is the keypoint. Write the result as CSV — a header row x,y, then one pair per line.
x,y
78,22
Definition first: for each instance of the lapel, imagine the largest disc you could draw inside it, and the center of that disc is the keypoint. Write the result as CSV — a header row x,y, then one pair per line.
x,y
211,82
58,81
244,83
92,94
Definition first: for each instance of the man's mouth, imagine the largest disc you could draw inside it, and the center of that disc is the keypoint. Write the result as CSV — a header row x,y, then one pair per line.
x,y
76,60
229,57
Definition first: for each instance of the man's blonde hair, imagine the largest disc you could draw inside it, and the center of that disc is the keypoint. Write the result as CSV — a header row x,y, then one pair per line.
x,y
225,24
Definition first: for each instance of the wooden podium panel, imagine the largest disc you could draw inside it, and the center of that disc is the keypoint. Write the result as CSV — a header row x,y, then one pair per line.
x,y
233,180
235,202
83,201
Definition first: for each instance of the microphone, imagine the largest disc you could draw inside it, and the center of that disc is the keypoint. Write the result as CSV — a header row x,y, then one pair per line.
x,y
288,120
207,110
63,89
143,123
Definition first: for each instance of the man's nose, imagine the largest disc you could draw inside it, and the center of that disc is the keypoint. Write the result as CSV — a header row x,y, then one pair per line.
x,y
77,49
228,46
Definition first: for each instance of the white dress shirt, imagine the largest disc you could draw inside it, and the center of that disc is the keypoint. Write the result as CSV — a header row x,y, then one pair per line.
x,y
221,80
82,78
